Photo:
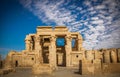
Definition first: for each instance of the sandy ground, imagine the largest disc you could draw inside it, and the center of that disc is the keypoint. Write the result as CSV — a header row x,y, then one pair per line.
x,y
61,72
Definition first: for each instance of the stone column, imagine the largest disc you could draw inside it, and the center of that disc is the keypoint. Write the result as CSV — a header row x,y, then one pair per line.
x,y
79,43
31,45
98,55
27,42
52,52
97,66
106,56
38,49
90,55
118,52
86,67
114,56
68,49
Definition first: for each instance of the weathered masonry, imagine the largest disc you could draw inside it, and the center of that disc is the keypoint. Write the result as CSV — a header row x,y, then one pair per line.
x,y
52,47
44,47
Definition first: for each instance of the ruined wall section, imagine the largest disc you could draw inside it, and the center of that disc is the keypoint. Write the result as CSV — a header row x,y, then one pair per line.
x,y
30,42
20,59
100,62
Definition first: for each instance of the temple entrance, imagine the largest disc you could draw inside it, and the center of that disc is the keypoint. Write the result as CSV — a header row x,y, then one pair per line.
x,y
60,51
45,54
45,49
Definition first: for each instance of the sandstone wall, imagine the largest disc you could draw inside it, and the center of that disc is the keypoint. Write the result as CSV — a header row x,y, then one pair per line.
x,y
23,61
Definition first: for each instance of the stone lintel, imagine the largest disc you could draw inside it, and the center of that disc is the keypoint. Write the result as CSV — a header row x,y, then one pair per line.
x,y
60,28
75,33
44,29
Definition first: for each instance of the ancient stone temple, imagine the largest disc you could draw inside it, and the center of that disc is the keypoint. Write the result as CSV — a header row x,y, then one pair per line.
x,y
44,53
43,48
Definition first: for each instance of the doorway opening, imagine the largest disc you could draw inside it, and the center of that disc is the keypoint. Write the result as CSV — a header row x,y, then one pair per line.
x,y
16,63
60,51
45,49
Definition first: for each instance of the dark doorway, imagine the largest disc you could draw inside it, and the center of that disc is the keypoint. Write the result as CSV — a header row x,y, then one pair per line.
x,y
1,64
45,49
45,54
16,63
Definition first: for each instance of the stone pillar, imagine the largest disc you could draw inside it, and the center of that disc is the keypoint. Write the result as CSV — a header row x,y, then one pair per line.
x,y
106,56
68,49
90,55
118,52
27,42
79,43
114,56
37,43
38,49
27,45
31,45
52,52
97,66
86,67
98,55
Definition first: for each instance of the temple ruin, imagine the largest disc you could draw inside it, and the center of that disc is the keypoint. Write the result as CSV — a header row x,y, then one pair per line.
x,y
44,53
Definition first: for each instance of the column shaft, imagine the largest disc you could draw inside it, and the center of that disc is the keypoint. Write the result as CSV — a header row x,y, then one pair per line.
x,y
52,52
68,49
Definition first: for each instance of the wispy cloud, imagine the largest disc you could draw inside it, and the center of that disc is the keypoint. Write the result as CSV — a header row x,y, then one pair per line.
x,y
97,20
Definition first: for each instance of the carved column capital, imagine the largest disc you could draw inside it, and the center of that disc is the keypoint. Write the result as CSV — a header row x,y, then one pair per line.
x,y
53,38
68,38
37,38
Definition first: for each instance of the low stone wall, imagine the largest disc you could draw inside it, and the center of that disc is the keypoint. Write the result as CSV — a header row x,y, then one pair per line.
x,y
86,67
89,67
95,67
41,69
111,67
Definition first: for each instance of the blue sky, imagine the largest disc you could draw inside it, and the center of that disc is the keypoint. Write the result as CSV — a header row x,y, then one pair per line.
x,y
96,20
15,23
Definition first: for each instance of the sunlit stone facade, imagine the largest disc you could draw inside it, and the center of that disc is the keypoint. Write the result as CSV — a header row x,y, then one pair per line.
x,y
43,52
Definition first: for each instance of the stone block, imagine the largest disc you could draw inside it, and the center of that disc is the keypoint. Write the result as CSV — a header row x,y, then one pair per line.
x,y
114,56
106,68
86,67
41,69
106,56
118,52
97,66
111,68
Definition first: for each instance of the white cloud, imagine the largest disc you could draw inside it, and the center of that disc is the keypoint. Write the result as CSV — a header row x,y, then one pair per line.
x,y
79,8
100,27
94,18
87,3
95,22
100,7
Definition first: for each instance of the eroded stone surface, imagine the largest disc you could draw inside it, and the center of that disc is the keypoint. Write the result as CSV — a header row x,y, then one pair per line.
x,y
43,53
